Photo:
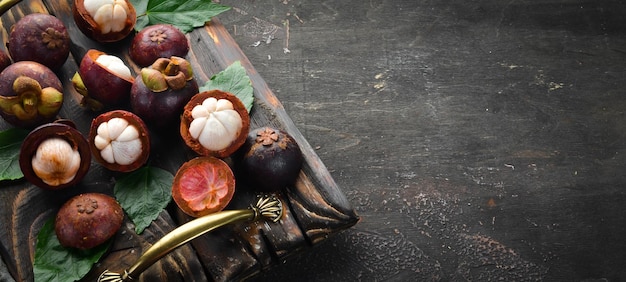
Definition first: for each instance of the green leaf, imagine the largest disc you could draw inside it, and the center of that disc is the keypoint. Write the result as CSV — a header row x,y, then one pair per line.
x,y
54,262
233,79
10,142
184,14
143,194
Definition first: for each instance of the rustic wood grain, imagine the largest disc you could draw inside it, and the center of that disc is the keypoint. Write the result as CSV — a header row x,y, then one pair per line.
x,y
479,140
233,253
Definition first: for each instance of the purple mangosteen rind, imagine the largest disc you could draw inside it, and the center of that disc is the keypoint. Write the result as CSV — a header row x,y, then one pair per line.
x,y
39,37
45,93
158,41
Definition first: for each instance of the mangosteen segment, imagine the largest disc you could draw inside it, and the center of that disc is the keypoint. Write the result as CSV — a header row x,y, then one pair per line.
x,y
105,20
118,142
114,65
216,124
109,14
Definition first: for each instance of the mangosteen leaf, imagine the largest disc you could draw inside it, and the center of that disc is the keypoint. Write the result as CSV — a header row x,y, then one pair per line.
x,y
235,80
10,142
54,262
184,14
144,194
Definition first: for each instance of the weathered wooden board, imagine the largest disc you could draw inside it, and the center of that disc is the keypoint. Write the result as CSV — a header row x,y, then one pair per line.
x,y
479,140
316,207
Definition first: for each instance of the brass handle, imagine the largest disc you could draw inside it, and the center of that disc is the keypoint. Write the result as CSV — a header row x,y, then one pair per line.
x,y
5,5
267,207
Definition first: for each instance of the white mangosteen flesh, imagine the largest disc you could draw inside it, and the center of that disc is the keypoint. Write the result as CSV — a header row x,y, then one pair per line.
x,y
115,65
216,124
118,142
109,14
55,162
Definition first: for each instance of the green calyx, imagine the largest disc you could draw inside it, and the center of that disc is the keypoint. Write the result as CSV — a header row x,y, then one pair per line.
x,y
31,100
86,101
167,73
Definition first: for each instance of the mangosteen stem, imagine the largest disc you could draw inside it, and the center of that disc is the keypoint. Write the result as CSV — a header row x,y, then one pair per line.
x,y
5,5
26,111
267,136
29,102
172,68
268,207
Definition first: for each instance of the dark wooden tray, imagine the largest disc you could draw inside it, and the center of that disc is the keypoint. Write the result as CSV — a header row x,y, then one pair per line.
x,y
316,207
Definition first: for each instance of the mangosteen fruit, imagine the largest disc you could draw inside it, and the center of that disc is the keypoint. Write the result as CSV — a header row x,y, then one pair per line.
x,y
269,160
5,60
39,37
88,220
158,41
214,123
30,94
203,185
119,140
105,20
103,80
55,156
160,91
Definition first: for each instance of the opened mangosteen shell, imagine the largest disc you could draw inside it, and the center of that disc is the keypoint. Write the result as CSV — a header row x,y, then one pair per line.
x,y
64,130
88,26
103,85
132,120
186,120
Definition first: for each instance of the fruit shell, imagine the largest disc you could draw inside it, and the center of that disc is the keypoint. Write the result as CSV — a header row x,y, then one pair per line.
x,y
143,136
103,85
5,60
269,167
143,51
63,130
81,225
201,175
88,26
186,120
21,47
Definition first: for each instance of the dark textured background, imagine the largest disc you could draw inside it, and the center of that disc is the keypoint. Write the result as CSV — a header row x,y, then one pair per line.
x,y
478,140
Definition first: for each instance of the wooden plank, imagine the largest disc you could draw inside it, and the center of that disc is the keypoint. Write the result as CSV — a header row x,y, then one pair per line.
x,y
482,140
316,207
